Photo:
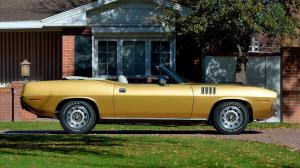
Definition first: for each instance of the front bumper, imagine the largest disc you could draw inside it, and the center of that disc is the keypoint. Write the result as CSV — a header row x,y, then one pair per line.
x,y
275,109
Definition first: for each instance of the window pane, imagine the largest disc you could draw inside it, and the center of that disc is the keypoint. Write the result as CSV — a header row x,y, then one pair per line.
x,y
128,69
165,46
140,52
111,58
128,49
102,68
102,46
128,60
102,58
112,46
133,56
160,54
112,69
155,58
165,58
155,46
140,69
83,56
107,57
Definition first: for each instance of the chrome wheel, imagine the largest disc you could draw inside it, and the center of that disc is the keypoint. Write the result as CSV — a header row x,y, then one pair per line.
x,y
77,116
231,117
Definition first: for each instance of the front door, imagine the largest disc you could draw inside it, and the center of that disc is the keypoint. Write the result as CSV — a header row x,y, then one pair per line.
x,y
153,101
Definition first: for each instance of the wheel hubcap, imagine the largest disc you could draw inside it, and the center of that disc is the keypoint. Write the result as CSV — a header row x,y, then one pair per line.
x,y
231,117
77,116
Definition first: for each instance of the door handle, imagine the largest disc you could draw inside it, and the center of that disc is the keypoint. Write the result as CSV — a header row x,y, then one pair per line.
x,y
122,90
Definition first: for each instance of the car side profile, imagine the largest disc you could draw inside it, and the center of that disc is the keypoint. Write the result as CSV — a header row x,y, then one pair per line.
x,y
81,104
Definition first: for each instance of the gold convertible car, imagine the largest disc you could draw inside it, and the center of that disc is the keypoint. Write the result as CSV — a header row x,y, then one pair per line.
x,y
81,104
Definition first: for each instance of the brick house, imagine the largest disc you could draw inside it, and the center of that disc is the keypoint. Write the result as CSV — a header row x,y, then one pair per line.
x,y
106,38
60,38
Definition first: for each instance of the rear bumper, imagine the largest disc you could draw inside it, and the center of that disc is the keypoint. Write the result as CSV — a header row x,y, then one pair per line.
x,y
39,113
24,105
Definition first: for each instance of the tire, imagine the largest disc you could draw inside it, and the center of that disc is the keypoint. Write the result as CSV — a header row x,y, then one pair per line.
x,y
230,117
77,117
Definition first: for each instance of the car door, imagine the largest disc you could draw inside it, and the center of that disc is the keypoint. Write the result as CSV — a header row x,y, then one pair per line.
x,y
153,101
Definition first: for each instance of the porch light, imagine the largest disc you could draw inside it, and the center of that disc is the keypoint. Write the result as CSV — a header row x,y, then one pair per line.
x,y
25,68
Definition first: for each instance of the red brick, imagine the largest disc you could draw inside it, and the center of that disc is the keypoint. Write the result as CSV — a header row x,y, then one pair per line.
x,y
5,104
291,84
21,114
68,56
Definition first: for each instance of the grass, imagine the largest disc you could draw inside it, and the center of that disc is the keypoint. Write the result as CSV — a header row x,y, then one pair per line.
x,y
56,126
137,151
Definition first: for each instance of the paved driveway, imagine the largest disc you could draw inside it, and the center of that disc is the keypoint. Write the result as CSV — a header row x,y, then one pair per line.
x,y
283,136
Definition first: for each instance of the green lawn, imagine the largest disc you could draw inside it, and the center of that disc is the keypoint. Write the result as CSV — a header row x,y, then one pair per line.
x,y
137,151
56,126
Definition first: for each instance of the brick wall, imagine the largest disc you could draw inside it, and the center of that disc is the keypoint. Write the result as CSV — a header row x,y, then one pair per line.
x,y
20,114
68,55
291,84
6,104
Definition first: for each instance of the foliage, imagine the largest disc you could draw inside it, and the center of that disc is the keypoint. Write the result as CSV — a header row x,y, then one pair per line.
x,y
217,24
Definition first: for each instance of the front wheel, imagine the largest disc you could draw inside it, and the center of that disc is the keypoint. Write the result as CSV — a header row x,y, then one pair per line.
x,y
77,117
231,117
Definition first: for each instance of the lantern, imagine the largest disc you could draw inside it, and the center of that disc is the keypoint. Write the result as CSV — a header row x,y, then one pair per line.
x,y
25,68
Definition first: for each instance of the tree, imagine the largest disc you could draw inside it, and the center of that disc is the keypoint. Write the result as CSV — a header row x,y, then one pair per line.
x,y
218,23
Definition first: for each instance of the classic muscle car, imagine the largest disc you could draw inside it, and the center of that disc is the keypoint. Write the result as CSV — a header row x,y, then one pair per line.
x,y
81,104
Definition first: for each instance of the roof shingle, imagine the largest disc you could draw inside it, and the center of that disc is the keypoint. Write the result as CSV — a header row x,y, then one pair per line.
x,y
23,10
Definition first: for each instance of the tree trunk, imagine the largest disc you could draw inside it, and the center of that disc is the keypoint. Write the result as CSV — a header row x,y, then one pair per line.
x,y
240,72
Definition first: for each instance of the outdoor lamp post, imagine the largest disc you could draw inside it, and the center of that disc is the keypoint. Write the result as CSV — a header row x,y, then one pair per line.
x,y
25,69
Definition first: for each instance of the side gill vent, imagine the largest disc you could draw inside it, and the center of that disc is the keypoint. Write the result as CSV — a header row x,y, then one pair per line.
x,y
208,90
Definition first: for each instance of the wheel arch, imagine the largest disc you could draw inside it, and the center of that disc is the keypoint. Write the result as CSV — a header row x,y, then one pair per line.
x,y
244,102
88,100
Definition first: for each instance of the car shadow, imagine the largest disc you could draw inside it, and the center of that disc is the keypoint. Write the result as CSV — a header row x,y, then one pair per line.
x,y
130,132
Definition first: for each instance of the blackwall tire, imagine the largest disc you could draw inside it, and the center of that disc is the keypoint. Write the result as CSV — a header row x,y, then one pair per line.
x,y
231,117
77,117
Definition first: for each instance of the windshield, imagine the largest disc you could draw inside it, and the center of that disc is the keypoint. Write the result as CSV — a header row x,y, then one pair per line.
x,y
172,74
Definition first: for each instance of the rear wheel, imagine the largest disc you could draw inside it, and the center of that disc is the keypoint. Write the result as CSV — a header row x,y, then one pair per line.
x,y
230,117
77,117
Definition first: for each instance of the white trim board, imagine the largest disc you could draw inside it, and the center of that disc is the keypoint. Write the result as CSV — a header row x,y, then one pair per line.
x,y
21,25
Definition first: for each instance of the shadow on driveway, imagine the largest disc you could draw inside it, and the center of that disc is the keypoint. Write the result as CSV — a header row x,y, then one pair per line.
x,y
131,132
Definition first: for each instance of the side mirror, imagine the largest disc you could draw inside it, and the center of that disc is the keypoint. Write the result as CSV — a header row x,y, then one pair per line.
x,y
163,81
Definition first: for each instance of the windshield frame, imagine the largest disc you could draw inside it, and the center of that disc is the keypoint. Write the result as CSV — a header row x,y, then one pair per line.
x,y
172,74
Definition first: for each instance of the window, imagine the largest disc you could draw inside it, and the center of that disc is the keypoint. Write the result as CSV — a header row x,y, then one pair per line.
x,y
107,58
130,57
83,56
160,54
133,57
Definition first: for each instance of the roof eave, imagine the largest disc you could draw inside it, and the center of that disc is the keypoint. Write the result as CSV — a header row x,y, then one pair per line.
x,y
36,24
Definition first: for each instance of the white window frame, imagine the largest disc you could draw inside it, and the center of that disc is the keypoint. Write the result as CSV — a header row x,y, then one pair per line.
x,y
121,59
120,40
97,55
172,57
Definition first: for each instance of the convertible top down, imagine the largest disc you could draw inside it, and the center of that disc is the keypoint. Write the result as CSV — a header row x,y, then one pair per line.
x,y
80,104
